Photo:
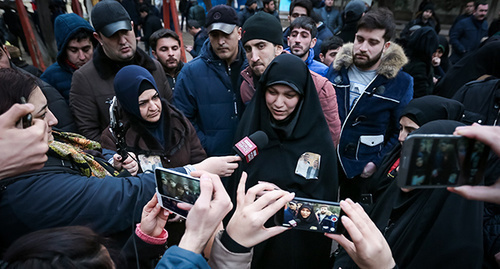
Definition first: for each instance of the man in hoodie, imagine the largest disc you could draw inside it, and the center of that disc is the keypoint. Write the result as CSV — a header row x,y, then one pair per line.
x,y
371,94
75,45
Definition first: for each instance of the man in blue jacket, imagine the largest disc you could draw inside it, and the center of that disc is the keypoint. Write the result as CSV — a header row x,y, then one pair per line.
x,y
467,34
207,89
75,45
371,93
301,42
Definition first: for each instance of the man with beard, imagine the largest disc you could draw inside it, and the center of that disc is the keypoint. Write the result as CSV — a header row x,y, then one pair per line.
x,y
467,34
208,88
92,86
166,48
270,7
371,93
301,42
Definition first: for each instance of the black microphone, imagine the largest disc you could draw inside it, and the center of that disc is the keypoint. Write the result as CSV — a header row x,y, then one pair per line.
x,y
248,147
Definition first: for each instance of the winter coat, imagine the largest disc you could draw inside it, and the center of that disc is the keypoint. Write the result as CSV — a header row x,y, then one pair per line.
x,y
150,25
332,18
59,74
371,128
92,88
244,15
184,146
173,79
199,40
326,94
466,36
405,33
208,93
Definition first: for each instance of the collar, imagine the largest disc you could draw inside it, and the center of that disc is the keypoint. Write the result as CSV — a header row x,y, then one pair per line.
x,y
107,68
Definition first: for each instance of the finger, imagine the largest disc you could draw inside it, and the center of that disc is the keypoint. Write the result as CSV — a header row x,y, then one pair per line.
x,y
258,190
150,204
206,190
356,236
273,207
343,241
232,159
231,166
15,113
481,193
274,231
185,206
274,185
240,191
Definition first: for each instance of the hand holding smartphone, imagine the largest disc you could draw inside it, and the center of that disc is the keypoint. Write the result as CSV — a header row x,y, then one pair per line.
x,y
173,188
433,161
311,215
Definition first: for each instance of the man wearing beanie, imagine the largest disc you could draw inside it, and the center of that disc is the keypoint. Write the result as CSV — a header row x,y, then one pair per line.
x,y
247,12
208,88
262,40
92,85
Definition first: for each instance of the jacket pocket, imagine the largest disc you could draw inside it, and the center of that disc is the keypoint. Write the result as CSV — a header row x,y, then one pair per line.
x,y
368,146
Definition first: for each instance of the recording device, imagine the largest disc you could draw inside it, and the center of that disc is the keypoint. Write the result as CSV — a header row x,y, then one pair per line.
x,y
116,129
311,215
27,119
173,188
434,161
248,147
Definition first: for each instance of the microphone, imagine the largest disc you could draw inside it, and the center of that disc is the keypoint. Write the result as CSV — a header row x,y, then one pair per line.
x,y
248,147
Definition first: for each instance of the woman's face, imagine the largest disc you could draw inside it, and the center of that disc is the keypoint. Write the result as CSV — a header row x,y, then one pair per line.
x,y
305,212
281,101
407,126
150,105
42,112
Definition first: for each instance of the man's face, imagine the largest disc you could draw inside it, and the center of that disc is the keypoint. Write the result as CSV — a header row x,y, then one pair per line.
x,y
323,210
297,12
225,45
329,57
427,14
253,6
368,48
260,53
481,12
300,41
4,57
79,52
328,3
168,52
119,47
469,8
270,7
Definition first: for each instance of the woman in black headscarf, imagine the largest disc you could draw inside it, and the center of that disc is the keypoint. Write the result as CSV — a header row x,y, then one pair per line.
x,y
428,228
286,107
306,218
417,113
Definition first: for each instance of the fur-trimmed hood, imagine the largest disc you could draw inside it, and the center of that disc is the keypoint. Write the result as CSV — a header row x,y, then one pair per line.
x,y
392,60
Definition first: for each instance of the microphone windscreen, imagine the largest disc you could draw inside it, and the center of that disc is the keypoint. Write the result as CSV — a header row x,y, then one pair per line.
x,y
260,139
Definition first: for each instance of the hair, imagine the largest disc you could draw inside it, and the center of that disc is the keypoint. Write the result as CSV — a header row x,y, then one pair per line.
x,y
14,86
477,3
316,17
265,2
305,23
193,24
63,247
144,8
301,3
381,18
331,43
82,34
162,33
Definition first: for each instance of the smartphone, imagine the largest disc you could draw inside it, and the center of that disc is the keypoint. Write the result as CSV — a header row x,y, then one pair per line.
x,y
311,215
436,161
27,119
174,187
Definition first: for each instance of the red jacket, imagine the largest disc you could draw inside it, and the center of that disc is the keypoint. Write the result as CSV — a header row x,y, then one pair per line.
x,y
326,94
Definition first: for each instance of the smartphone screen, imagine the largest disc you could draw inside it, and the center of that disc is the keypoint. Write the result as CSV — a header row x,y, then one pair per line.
x,y
311,215
174,188
430,161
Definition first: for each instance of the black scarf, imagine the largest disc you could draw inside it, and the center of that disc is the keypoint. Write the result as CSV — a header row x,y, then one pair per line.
x,y
107,68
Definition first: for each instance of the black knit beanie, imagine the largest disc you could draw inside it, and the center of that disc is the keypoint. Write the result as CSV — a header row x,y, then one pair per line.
x,y
264,26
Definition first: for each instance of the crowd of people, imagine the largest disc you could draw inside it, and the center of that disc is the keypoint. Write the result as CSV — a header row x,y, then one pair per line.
x,y
336,94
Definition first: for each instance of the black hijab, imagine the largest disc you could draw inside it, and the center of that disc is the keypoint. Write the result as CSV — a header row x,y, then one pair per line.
x,y
429,228
308,222
305,130
431,107
422,44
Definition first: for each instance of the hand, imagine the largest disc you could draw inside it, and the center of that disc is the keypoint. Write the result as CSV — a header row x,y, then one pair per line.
x,y
221,166
436,61
130,163
189,48
21,150
489,135
370,168
368,248
153,218
207,213
246,227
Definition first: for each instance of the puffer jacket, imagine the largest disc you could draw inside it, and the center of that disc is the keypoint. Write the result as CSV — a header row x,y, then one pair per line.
x,y
370,128
314,65
207,92
59,74
326,95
